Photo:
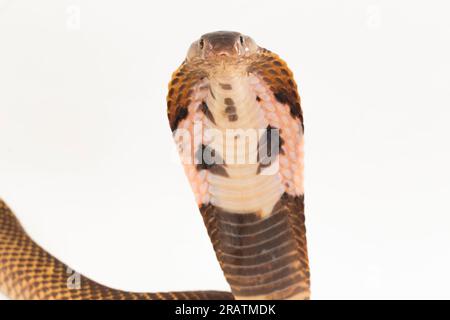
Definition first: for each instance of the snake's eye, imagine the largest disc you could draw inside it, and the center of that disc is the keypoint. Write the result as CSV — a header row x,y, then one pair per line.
x,y
202,43
241,39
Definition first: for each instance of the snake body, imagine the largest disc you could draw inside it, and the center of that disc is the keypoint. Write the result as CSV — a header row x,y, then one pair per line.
x,y
236,119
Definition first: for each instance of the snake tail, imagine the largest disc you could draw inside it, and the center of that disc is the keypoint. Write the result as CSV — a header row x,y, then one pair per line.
x,y
28,272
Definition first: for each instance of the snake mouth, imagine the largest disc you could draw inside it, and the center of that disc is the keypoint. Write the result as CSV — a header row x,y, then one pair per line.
x,y
222,51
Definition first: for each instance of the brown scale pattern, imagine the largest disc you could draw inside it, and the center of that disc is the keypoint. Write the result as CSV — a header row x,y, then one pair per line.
x,y
262,257
180,92
29,272
277,75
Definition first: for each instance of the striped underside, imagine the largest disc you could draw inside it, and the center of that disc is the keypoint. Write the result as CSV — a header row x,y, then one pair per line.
x,y
262,258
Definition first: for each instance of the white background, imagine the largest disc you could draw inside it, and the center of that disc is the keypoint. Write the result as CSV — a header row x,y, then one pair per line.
x,y
86,157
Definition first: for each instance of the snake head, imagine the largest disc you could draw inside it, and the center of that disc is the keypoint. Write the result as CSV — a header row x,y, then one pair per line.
x,y
220,45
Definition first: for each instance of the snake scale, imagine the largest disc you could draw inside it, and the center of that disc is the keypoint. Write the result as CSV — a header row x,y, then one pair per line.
x,y
236,119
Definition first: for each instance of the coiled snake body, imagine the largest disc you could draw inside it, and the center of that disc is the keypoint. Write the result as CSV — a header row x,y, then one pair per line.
x,y
236,119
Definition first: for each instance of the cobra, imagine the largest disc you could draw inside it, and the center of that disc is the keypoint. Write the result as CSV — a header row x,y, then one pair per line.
x,y
247,179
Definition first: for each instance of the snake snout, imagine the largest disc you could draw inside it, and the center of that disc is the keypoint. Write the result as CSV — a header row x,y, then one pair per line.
x,y
221,44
